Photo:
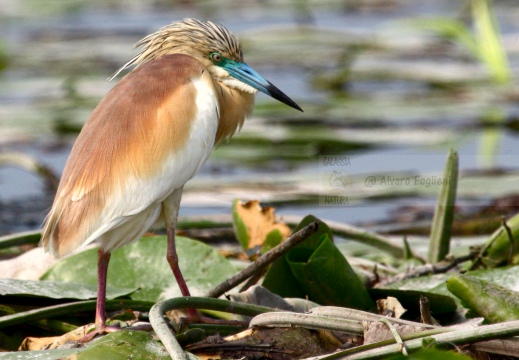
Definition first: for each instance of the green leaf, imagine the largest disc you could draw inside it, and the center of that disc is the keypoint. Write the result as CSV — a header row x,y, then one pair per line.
x,y
19,239
57,290
436,284
279,278
70,308
444,212
240,229
327,278
317,269
429,354
495,303
491,51
123,345
120,345
499,245
57,354
143,265
274,238
450,29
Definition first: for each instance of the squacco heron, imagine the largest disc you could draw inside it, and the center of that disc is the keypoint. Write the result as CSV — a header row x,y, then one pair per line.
x,y
148,136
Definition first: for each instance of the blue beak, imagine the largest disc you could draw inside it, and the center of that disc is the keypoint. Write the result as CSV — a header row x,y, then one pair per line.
x,y
243,72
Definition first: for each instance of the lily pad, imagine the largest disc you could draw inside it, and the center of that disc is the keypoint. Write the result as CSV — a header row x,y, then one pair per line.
x,y
436,284
57,290
125,345
120,345
143,265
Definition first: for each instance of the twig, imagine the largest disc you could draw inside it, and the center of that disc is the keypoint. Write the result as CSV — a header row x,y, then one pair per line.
x,y
396,335
425,311
253,280
449,338
264,260
359,315
309,321
430,269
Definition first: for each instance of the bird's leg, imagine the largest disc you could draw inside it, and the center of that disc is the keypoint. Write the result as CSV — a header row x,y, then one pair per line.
x,y
173,262
172,258
194,315
170,208
103,258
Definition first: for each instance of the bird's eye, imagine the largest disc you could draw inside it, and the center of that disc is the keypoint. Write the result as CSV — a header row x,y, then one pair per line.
x,y
216,57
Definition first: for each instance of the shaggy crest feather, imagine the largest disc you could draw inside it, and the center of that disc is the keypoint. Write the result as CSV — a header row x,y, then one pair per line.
x,y
189,36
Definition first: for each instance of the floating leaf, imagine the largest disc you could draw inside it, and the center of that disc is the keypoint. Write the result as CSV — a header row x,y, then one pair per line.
x,y
57,290
257,226
125,345
495,303
143,265
120,345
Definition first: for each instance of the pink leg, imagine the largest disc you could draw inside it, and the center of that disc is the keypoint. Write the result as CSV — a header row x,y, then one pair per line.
x,y
173,263
102,269
172,258
103,258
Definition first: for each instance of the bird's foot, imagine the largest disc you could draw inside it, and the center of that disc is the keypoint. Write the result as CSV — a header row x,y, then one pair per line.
x,y
106,329
98,330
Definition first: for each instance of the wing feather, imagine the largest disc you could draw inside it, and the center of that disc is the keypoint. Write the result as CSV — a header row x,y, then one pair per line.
x,y
147,137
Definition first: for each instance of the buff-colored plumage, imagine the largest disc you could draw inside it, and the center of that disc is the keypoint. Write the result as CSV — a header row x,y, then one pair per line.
x,y
189,91
110,182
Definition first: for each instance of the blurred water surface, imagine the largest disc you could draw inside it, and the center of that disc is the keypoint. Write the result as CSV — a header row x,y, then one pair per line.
x,y
390,98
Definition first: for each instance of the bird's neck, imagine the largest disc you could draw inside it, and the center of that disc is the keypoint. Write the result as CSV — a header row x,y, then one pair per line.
x,y
235,107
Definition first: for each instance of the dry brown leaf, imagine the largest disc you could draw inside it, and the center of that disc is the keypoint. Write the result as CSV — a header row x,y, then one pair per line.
x,y
46,343
259,222
391,307
375,331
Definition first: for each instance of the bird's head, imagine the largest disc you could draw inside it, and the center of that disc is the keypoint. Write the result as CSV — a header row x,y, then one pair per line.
x,y
215,47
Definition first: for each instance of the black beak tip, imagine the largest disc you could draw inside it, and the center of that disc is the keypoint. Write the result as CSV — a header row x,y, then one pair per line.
x,y
281,96
295,106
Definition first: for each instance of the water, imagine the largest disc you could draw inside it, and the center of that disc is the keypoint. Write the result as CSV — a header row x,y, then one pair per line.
x,y
389,119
